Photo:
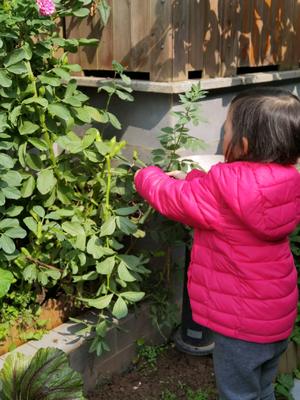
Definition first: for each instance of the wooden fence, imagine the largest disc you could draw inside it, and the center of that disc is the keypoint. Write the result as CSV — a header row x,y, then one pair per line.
x,y
170,38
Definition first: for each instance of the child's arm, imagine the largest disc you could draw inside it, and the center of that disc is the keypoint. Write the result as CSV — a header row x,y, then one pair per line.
x,y
191,202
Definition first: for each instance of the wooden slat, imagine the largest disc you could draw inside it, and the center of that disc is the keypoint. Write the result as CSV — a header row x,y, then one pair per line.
x,y
267,29
140,31
245,53
256,33
180,22
211,45
122,32
161,43
288,35
105,53
196,34
230,25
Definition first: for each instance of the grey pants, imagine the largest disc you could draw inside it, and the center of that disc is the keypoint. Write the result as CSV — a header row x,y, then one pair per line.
x,y
246,370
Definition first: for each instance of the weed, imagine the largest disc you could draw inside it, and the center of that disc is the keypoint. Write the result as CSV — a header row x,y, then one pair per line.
x,y
148,354
167,395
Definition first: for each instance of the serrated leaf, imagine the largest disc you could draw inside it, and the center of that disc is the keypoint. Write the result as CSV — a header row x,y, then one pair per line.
x,y
120,309
126,210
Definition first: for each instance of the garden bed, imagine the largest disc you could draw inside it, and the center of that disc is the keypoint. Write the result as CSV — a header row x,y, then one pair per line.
x,y
174,376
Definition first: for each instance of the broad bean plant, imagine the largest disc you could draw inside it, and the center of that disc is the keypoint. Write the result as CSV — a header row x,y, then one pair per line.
x,y
68,210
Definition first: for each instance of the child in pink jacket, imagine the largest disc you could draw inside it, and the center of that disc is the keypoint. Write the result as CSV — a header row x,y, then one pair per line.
x,y
242,281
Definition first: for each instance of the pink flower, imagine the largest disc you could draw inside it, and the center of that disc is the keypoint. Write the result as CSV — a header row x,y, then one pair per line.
x,y
46,7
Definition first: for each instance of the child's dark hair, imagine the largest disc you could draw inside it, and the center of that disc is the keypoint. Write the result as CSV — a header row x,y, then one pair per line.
x,y
269,118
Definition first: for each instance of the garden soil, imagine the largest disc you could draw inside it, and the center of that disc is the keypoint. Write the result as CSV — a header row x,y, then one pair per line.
x,y
175,376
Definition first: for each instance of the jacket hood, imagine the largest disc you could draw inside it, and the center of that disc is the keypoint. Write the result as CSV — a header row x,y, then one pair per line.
x,y
266,197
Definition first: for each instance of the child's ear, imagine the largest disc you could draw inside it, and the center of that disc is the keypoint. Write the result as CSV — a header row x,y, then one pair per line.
x,y
245,145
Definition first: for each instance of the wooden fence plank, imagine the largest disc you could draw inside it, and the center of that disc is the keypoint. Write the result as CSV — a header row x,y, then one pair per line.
x,y
196,34
265,47
180,23
161,57
230,21
121,32
105,54
211,45
245,53
140,35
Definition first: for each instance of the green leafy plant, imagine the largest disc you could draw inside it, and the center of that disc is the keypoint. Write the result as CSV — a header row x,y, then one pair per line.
x,y
148,354
72,211
47,375
283,386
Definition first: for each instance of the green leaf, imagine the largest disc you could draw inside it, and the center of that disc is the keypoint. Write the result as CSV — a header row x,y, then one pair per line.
x,y
14,211
46,181
126,210
11,374
88,42
27,128
5,80
8,223
28,187
120,309
18,69
39,211
106,267
49,377
60,111
15,233
108,227
11,193
7,244
82,114
81,13
133,296
30,273
6,161
31,224
125,225
39,144
34,161
104,10
6,279
95,248
13,178
50,80
15,57
114,121
36,100
73,228
101,302
124,273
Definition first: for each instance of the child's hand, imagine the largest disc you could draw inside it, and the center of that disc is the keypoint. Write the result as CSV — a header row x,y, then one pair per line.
x,y
177,174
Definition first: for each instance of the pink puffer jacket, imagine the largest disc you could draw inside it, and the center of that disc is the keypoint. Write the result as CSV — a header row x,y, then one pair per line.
x,y
242,281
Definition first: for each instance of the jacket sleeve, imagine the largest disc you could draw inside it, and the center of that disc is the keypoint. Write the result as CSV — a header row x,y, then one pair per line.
x,y
191,202
195,173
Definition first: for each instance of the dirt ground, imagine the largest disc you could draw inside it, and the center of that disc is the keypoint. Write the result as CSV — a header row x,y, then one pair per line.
x,y
175,376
